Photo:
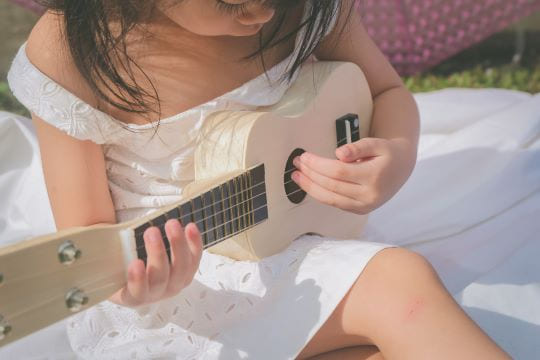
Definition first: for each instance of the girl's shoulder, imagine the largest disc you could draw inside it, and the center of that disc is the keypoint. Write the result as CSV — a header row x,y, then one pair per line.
x,y
45,79
47,50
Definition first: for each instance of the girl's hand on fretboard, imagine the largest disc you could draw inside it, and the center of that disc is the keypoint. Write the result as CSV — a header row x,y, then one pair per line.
x,y
159,279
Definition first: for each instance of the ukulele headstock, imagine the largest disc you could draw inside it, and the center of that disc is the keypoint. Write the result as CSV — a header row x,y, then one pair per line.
x,y
48,278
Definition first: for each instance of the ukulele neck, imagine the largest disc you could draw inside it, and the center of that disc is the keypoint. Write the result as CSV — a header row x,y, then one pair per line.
x,y
219,213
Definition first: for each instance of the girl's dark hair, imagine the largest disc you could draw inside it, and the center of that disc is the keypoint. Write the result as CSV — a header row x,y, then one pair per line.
x,y
96,47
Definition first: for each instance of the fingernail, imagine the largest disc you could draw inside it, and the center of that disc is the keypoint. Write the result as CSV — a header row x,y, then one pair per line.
x,y
296,161
153,238
193,231
176,223
345,151
304,156
295,176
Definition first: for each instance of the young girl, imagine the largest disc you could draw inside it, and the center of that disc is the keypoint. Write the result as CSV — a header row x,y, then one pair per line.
x,y
118,91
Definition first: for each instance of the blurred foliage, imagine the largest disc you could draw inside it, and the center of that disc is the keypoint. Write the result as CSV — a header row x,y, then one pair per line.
x,y
488,64
507,76
8,101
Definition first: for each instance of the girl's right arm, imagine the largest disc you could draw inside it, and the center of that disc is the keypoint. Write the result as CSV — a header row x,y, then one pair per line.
x,y
78,190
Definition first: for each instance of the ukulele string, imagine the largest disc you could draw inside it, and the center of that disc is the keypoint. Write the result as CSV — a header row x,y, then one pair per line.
x,y
241,193
162,227
262,182
294,169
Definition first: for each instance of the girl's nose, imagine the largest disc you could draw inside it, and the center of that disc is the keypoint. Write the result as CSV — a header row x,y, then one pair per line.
x,y
255,15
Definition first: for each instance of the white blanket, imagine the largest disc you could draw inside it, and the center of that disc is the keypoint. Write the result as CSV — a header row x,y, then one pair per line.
x,y
472,207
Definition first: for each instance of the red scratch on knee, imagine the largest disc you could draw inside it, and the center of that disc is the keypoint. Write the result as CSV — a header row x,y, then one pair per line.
x,y
414,309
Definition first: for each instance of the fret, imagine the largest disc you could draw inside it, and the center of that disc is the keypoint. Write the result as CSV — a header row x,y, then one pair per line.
x,y
246,200
173,214
198,219
208,216
234,209
139,230
218,211
139,241
240,202
239,198
258,198
227,212
257,174
260,214
158,222
250,197
186,213
243,201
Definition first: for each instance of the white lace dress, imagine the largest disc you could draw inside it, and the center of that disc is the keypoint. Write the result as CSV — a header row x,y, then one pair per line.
x,y
233,309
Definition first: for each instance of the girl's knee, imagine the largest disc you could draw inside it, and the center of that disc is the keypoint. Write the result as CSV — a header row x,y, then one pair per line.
x,y
402,266
396,287
395,284
398,279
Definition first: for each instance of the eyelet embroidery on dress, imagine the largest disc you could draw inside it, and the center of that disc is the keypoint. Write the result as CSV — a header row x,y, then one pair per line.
x,y
230,308
246,277
113,334
168,342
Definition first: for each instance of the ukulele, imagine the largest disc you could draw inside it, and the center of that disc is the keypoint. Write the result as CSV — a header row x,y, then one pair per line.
x,y
243,201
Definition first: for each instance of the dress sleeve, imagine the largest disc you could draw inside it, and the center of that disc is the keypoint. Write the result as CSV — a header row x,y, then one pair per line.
x,y
57,106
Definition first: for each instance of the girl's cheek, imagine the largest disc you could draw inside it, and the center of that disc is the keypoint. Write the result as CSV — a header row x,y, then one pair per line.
x,y
205,20
202,24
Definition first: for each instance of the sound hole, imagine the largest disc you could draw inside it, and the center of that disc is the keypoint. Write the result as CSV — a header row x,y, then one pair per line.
x,y
292,190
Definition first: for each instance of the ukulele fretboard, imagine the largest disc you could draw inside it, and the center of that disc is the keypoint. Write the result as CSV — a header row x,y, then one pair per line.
x,y
219,213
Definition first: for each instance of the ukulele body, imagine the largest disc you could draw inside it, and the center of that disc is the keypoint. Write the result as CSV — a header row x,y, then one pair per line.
x,y
305,119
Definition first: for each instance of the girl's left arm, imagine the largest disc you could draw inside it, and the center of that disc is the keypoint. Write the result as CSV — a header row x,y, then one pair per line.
x,y
370,171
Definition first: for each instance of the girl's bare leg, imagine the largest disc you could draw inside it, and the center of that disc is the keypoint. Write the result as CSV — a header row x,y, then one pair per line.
x,y
399,304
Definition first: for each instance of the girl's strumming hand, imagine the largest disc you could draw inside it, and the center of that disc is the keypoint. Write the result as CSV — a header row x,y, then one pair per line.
x,y
160,279
366,174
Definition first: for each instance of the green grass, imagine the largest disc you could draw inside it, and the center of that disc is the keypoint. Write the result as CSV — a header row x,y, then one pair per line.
x,y
8,101
486,65
507,77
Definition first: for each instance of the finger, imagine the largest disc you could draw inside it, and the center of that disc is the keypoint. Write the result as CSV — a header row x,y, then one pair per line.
x,y
363,148
327,197
157,264
346,189
136,289
180,256
335,169
194,242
